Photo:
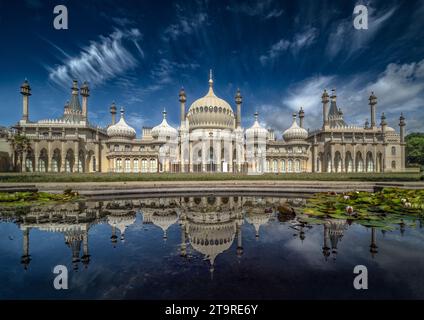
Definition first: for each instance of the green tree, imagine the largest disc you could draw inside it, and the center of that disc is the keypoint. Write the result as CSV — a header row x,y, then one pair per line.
x,y
20,145
415,149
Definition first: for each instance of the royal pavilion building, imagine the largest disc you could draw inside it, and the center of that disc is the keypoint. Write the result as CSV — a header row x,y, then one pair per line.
x,y
210,138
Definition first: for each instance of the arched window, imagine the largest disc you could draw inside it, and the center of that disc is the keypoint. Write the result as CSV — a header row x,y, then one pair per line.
x,y
329,164
349,162
135,165
393,151
283,165
290,166
116,147
359,163
297,165
275,166
94,164
267,166
153,165
370,162
127,165
28,164
143,165
118,165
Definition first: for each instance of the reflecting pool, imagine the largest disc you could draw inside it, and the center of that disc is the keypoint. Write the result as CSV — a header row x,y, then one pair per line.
x,y
209,247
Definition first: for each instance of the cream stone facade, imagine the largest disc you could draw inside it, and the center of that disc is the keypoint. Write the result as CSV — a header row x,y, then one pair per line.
x,y
210,138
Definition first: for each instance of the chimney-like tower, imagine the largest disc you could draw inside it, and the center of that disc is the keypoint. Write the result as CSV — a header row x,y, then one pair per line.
x,y
113,112
301,117
325,105
85,93
26,92
373,104
182,99
402,125
239,100
383,125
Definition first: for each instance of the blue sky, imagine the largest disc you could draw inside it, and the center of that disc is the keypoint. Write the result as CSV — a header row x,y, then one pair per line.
x,y
281,54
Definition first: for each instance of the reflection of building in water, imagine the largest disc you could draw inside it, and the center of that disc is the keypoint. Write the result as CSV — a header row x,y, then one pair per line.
x,y
208,224
373,245
72,220
163,218
120,217
258,216
333,233
211,224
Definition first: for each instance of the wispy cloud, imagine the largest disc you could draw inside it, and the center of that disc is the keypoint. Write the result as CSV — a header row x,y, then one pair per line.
x,y
300,41
102,60
188,22
265,9
399,88
346,39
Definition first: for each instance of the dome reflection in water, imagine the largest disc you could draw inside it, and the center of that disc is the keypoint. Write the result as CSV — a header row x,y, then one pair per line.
x,y
206,247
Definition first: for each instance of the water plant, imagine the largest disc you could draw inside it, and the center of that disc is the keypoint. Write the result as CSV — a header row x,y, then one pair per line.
x,y
380,209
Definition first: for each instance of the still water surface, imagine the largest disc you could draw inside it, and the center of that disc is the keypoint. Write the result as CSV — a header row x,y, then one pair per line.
x,y
209,247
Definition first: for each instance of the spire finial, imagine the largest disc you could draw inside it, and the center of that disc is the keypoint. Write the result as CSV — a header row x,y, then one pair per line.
x,y
210,78
122,112
164,113
256,114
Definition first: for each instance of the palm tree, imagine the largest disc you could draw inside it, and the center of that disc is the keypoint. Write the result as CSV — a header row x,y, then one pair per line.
x,y
20,145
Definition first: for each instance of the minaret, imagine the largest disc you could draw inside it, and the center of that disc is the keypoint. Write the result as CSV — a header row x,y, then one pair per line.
x,y
402,125
373,104
85,259
113,112
239,100
325,105
114,237
325,247
26,258
383,123
26,92
182,100
373,246
402,128
183,252
239,241
301,117
85,93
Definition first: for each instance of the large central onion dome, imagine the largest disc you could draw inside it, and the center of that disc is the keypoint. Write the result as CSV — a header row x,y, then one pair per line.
x,y
121,129
211,112
164,130
295,133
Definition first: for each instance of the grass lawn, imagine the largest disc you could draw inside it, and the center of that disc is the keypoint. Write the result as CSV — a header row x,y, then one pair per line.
x,y
116,177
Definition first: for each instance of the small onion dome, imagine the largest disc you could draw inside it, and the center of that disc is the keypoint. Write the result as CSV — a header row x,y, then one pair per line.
x,y
390,129
256,129
121,129
295,132
164,130
121,221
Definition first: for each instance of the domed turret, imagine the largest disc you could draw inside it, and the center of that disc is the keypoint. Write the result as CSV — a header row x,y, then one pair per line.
x,y
256,129
295,133
164,130
121,129
211,111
